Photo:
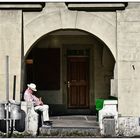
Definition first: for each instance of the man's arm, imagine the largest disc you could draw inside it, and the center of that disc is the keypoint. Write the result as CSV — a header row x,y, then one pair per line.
x,y
27,97
37,100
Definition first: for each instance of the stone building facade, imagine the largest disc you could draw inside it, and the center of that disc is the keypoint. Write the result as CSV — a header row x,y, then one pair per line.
x,y
50,43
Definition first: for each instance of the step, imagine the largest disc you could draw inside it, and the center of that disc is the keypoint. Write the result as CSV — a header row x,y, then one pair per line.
x,y
68,132
74,117
74,121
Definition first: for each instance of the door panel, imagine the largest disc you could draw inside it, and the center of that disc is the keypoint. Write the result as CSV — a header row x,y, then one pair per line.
x,y
78,87
73,96
82,98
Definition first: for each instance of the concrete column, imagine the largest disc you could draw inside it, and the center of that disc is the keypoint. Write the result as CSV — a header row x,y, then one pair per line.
x,y
10,44
128,42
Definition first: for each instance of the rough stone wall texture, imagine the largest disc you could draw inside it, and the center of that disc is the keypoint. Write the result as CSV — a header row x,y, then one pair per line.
x,y
10,44
129,126
31,118
128,58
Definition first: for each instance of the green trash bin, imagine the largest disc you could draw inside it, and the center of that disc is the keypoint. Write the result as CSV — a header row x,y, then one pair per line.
x,y
99,106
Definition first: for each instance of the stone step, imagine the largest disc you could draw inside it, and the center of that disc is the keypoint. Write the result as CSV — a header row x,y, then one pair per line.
x,y
75,123
74,117
72,126
67,132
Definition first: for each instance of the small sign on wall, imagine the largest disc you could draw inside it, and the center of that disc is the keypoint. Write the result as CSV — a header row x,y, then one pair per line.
x,y
29,61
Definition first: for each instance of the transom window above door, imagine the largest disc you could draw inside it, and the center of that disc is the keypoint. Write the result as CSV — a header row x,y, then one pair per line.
x,y
78,52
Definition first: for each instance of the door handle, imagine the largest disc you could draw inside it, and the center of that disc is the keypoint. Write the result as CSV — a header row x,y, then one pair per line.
x,y
68,84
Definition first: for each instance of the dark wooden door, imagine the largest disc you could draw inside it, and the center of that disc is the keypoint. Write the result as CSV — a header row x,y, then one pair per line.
x,y
78,82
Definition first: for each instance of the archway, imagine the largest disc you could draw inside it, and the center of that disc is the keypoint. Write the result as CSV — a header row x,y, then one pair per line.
x,y
71,69
98,24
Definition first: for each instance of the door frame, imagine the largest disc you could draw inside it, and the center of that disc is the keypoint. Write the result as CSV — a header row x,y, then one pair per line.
x,y
91,73
71,59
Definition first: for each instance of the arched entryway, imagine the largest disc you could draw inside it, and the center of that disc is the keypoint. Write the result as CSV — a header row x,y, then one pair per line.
x,y
71,69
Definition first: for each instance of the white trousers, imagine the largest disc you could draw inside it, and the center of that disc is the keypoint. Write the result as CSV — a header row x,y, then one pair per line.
x,y
45,111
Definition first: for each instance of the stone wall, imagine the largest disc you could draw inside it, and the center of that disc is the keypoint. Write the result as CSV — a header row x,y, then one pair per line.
x,y
10,44
56,16
128,56
129,126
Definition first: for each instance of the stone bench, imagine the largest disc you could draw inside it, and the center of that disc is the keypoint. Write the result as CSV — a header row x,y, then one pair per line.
x,y
29,117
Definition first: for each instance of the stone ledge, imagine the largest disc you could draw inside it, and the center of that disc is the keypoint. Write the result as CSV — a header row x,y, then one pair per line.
x,y
97,6
38,6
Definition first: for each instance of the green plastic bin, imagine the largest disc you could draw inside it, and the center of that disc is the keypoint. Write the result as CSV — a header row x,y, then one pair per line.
x,y
99,106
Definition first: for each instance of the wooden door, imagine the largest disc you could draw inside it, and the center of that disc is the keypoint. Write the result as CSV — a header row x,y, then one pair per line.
x,y
78,82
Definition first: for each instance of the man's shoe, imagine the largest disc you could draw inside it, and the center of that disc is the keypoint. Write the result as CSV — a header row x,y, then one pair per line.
x,y
47,123
46,126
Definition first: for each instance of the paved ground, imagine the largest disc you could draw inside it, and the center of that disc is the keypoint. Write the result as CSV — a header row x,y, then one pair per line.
x,y
75,121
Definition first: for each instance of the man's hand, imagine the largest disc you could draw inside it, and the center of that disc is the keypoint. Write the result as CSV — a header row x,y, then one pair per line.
x,y
40,101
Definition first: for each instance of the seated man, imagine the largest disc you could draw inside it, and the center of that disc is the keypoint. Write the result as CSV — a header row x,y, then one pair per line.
x,y
38,104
